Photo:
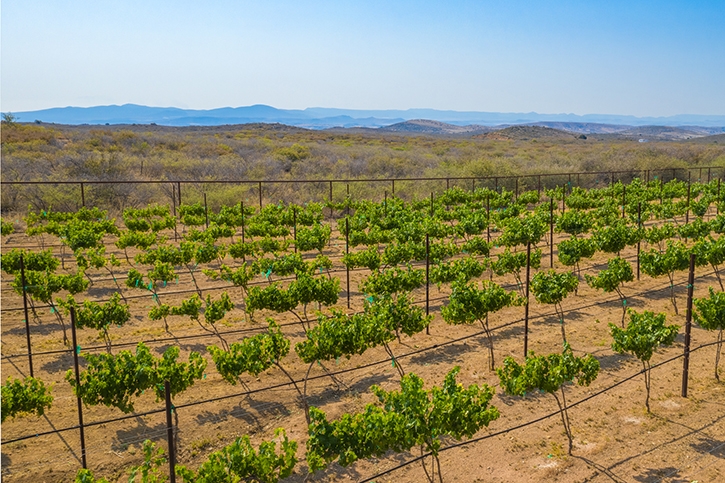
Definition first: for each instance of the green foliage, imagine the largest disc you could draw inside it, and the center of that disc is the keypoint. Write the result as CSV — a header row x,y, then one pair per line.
x,y
710,311
393,280
618,271
573,250
43,261
696,229
112,380
407,418
98,316
398,314
658,234
476,246
575,222
468,303
644,333
339,335
29,395
137,239
86,476
6,227
239,461
463,269
369,258
508,262
314,238
252,355
613,238
655,263
547,373
521,231
551,287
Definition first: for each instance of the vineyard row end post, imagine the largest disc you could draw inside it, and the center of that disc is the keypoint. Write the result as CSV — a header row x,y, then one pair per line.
x,y
83,196
427,280
688,325
25,311
526,302
551,233
170,432
76,350
347,251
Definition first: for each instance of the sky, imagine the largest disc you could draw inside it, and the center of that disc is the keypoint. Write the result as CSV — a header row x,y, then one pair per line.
x,y
631,57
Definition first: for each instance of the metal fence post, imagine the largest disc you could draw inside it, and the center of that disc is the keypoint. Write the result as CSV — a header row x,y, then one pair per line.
x,y
76,350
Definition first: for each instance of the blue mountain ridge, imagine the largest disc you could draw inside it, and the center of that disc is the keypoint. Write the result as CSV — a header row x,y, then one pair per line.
x,y
321,118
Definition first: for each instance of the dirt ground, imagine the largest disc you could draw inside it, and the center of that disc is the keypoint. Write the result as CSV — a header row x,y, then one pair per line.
x,y
682,440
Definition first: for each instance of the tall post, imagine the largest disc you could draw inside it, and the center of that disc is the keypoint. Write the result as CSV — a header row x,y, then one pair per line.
x,y
516,190
331,212
538,188
170,433
385,203
347,250
687,213
427,279
448,184
496,184
294,226
563,200
178,191
393,187
688,325
526,307
260,196
83,196
76,350
25,311
488,218
206,211
173,198
624,199
241,208
551,233
347,187
639,240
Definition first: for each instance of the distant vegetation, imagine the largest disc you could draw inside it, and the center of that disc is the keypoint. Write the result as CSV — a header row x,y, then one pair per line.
x,y
35,152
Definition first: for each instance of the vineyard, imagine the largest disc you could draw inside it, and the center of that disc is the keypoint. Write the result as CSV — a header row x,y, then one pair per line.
x,y
475,334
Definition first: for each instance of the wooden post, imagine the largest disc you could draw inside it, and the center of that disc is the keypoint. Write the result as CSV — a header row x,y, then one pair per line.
x,y
488,217
624,199
173,198
347,250
526,307
260,196
206,212
331,212
83,196
178,191
294,226
639,241
76,350
25,311
170,433
551,233
393,187
241,207
688,325
427,279
539,185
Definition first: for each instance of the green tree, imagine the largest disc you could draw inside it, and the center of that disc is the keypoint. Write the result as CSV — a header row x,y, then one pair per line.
x,y
644,333
710,315
549,374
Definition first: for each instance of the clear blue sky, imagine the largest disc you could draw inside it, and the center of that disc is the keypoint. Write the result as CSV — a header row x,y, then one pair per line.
x,y
644,58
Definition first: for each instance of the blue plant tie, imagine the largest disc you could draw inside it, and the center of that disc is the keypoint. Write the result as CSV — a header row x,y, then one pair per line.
x,y
78,349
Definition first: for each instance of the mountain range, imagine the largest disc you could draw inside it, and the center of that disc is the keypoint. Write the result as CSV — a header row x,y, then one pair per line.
x,y
325,118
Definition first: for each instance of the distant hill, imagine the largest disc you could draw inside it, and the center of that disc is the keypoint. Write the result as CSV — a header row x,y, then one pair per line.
x,y
325,118
426,126
527,133
654,133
